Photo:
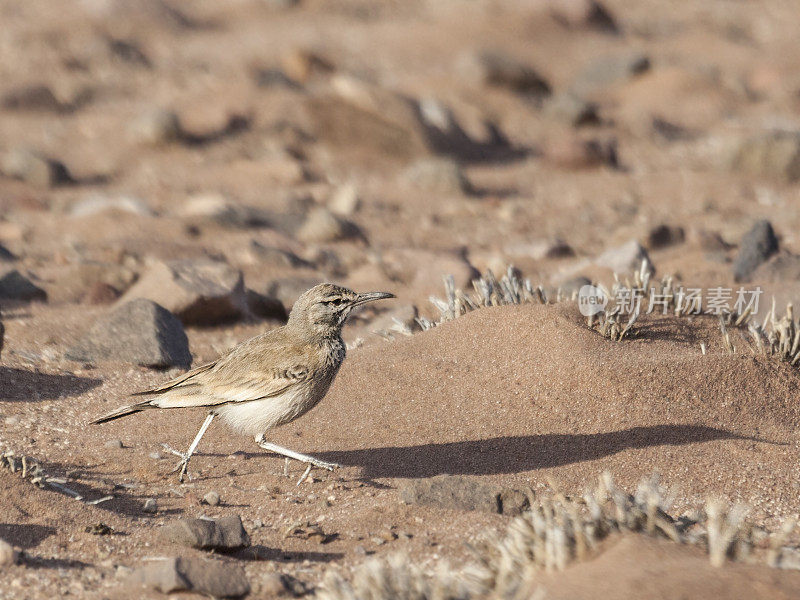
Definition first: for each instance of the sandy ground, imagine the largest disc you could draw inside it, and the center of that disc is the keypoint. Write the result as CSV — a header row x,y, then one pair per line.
x,y
509,395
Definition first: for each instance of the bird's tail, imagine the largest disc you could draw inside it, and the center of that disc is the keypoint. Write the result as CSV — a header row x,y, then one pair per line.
x,y
122,411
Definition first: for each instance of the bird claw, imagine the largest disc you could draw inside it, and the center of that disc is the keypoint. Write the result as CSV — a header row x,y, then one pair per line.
x,y
182,465
321,464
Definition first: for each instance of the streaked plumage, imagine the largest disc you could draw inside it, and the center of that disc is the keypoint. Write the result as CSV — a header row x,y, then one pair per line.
x,y
271,379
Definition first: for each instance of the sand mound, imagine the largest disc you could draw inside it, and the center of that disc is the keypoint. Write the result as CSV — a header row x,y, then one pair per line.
x,y
519,390
636,566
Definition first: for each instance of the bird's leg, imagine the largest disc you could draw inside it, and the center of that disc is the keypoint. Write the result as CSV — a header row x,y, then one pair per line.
x,y
309,460
183,465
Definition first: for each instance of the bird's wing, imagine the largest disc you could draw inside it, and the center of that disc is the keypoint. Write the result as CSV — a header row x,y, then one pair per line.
x,y
185,380
216,391
262,367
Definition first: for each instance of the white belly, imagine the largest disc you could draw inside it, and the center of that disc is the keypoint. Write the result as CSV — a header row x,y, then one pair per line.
x,y
256,417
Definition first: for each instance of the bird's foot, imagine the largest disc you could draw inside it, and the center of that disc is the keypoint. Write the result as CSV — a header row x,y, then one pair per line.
x,y
182,467
321,464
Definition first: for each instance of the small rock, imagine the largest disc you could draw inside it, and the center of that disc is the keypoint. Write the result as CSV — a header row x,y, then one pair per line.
x,y
711,241
156,455
113,444
35,168
150,506
98,203
100,293
128,51
609,70
156,127
626,258
139,332
8,554
571,109
6,255
211,498
257,523
217,208
198,292
266,307
438,175
36,97
756,247
226,533
376,120
589,14
15,286
774,154
272,585
452,491
322,226
289,289
496,69
553,248
276,257
662,236
378,541
301,64
572,152
344,201
212,577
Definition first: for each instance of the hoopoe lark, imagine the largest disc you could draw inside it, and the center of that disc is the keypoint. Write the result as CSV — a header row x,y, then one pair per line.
x,y
269,380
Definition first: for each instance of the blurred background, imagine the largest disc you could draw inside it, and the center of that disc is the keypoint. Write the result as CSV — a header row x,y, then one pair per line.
x,y
385,143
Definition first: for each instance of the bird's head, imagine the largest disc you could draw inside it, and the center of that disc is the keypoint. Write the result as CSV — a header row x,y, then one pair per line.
x,y
325,307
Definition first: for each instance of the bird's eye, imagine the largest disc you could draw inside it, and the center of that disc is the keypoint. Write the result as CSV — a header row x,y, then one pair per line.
x,y
333,301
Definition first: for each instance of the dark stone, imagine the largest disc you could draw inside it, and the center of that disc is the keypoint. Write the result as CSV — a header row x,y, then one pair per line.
x,y
198,292
756,247
139,332
500,70
226,533
15,286
35,168
216,578
266,307
664,235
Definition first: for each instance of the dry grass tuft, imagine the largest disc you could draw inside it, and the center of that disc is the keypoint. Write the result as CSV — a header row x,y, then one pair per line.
x,y
510,289
556,531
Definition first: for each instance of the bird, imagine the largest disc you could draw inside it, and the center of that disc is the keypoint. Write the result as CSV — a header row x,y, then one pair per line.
x,y
267,381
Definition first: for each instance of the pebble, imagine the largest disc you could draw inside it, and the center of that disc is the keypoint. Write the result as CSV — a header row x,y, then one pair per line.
x,y
150,506
34,167
344,201
113,444
159,126
211,498
8,554
322,226
756,247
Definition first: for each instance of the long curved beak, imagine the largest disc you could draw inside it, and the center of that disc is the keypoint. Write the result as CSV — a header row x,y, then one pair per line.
x,y
371,297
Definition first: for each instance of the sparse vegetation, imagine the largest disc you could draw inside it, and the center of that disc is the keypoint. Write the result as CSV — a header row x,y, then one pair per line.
x,y
559,530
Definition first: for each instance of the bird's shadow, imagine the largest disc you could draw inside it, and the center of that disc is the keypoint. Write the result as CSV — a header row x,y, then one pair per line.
x,y
515,454
20,385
